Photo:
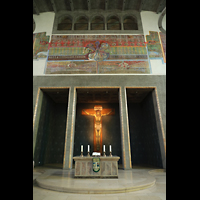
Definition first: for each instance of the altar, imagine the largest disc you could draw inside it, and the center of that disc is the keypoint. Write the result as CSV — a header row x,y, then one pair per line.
x,y
108,167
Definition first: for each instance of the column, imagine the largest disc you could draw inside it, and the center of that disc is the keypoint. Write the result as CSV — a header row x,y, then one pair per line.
x,y
125,138
105,22
89,22
70,129
36,117
159,124
72,23
122,23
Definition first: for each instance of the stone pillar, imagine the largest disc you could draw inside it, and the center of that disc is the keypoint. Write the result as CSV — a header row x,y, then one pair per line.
x,y
159,124
125,138
89,24
72,24
122,23
105,23
36,117
70,129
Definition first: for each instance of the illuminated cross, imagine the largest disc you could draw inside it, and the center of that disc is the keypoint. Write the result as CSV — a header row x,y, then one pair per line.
x,y
98,112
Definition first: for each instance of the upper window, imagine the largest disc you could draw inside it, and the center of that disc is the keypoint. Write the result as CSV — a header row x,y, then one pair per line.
x,y
85,22
113,23
97,23
130,23
81,23
65,23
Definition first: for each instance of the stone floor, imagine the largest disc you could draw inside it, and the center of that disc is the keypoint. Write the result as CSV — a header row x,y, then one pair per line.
x,y
156,192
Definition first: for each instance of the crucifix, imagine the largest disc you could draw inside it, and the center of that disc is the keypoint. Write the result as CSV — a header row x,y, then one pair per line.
x,y
98,112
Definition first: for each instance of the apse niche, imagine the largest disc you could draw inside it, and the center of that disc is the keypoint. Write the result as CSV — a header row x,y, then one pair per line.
x,y
87,99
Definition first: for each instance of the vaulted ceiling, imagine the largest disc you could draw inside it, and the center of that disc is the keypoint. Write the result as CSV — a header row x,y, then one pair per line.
x,y
40,6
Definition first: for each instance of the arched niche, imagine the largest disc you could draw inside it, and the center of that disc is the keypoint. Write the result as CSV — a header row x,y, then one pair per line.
x,y
113,23
65,23
81,23
130,23
97,23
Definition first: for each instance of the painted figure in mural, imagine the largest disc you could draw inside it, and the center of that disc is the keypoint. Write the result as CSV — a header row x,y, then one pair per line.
x,y
97,125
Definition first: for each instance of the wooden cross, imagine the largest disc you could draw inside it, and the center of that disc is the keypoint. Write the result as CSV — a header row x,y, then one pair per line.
x,y
98,112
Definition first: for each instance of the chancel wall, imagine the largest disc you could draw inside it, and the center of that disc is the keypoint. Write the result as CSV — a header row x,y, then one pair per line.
x,y
148,65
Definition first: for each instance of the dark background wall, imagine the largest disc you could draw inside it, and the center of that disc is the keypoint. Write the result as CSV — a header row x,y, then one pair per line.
x,y
45,127
150,133
110,130
51,132
145,148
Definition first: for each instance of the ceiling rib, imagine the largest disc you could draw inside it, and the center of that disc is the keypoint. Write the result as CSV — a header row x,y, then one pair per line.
x,y
124,4
71,5
53,5
36,7
140,5
89,5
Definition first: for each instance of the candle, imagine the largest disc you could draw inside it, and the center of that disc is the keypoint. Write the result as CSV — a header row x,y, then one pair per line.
x,y
88,148
110,148
104,149
81,148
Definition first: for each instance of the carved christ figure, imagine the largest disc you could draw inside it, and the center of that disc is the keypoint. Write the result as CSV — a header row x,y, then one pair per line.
x,y
98,112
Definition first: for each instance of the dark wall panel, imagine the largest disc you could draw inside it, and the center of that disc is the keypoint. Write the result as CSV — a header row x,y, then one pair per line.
x,y
51,132
45,128
150,133
135,130
55,147
145,147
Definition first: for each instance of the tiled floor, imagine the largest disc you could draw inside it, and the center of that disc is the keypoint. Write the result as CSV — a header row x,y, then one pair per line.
x,y
156,192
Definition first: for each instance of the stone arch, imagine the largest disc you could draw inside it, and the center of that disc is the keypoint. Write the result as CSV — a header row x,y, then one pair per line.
x,y
130,22
65,22
81,22
113,22
97,22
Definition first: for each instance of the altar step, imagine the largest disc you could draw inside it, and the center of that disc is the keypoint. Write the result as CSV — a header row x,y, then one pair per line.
x,y
64,181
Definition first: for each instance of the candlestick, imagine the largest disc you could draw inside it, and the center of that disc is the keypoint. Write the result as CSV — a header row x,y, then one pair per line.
x,y
81,150
104,151
110,151
88,151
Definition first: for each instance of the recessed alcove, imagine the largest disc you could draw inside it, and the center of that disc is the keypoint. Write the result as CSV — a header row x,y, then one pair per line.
x,y
50,126
87,98
143,127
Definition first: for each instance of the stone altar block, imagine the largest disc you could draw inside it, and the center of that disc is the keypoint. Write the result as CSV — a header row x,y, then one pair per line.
x,y
84,167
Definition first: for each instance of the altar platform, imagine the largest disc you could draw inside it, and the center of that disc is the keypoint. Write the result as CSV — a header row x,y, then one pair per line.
x,y
64,181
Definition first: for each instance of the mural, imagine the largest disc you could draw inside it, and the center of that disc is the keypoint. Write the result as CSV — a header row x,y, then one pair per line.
x,y
163,44
153,45
40,45
69,54
122,67
71,67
